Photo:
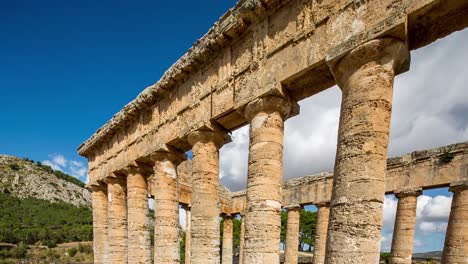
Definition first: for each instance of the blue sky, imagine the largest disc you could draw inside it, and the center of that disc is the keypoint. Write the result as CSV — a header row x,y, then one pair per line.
x,y
66,67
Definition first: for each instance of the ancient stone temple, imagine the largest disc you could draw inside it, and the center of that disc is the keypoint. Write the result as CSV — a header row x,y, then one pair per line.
x,y
252,67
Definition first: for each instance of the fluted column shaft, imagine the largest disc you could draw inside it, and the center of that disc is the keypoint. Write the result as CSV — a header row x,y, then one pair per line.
x,y
323,214
403,232
242,240
456,238
227,240
205,197
365,76
139,239
117,220
99,197
265,172
292,235
166,207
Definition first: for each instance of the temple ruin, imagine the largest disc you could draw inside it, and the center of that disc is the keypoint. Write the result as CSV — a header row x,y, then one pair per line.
x,y
252,67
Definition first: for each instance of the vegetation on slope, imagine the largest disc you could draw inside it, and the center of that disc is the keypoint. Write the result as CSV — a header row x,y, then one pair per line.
x,y
59,174
32,220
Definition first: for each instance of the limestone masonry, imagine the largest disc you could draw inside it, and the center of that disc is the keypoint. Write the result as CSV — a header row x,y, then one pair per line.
x,y
252,67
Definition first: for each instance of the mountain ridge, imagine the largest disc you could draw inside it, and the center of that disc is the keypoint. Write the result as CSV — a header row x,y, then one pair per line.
x,y
24,179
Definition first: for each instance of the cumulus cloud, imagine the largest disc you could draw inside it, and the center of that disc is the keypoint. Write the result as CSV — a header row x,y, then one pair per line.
x,y
433,213
72,167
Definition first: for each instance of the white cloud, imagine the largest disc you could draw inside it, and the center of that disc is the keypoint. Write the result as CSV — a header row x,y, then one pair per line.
x,y
432,213
182,219
386,242
52,165
72,167
59,160
389,209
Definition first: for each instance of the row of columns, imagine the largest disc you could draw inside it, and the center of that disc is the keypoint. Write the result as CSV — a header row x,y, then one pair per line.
x,y
365,76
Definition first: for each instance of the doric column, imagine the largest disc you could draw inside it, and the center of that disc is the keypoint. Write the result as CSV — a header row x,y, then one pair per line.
x,y
205,196
365,76
166,205
188,239
323,213
99,197
292,235
265,171
456,238
242,240
117,219
227,240
139,238
403,232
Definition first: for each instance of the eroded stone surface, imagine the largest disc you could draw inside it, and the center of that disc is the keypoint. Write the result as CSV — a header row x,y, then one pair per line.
x,y
117,220
405,221
292,235
205,197
365,76
323,214
456,237
166,207
139,240
265,171
227,240
100,224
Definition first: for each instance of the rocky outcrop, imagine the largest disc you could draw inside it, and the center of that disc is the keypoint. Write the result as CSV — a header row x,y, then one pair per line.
x,y
24,179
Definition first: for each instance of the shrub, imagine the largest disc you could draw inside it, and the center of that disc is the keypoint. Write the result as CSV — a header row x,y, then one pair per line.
x,y
14,166
51,244
72,252
85,248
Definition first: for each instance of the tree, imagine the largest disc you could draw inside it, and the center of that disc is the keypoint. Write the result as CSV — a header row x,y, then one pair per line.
x,y
307,231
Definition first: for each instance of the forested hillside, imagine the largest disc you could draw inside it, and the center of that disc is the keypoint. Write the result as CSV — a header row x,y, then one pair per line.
x,y
32,220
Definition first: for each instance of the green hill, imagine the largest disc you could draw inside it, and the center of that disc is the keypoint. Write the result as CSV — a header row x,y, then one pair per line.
x,y
31,220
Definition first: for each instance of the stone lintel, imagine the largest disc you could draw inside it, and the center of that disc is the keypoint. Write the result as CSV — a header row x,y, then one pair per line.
x,y
458,186
293,207
322,204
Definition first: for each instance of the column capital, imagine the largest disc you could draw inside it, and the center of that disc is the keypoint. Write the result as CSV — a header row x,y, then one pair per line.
x,y
114,179
271,104
293,207
218,137
187,207
458,186
405,192
97,187
135,168
391,52
165,152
